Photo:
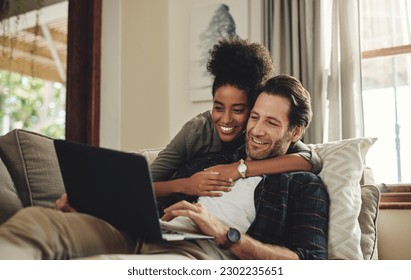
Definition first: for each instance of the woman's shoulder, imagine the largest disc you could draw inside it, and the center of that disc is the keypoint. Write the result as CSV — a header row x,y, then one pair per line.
x,y
200,122
200,134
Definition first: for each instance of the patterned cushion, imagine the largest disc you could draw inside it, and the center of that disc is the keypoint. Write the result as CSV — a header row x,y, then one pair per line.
x,y
343,164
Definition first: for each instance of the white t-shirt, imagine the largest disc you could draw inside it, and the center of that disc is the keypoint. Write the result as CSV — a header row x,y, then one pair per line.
x,y
235,208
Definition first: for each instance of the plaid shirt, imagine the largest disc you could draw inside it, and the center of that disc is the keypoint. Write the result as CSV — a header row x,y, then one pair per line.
x,y
291,208
292,211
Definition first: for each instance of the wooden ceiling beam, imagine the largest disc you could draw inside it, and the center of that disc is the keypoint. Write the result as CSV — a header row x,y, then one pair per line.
x,y
57,36
24,66
10,45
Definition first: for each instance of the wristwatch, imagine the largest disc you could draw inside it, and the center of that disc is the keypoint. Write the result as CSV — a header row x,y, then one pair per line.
x,y
233,236
242,168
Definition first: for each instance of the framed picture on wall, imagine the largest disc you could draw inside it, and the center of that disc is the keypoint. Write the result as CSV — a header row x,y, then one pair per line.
x,y
210,23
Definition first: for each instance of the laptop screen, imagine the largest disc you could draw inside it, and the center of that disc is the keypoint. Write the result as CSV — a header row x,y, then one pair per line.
x,y
112,185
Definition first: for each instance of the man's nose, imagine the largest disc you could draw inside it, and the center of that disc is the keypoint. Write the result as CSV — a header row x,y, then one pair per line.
x,y
258,128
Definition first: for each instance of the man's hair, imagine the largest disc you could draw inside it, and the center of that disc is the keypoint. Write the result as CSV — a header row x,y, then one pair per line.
x,y
287,86
241,64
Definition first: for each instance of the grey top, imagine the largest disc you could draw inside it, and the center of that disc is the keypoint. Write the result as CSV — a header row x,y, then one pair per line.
x,y
198,136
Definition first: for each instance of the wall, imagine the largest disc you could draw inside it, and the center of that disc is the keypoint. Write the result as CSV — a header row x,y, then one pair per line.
x,y
135,90
394,232
181,108
110,119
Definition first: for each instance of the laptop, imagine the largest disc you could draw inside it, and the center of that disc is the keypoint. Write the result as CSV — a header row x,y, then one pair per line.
x,y
114,186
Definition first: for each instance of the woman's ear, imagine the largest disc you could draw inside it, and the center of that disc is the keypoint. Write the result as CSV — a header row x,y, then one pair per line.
x,y
297,133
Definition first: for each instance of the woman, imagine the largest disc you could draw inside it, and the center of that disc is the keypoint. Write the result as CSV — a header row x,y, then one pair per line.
x,y
239,69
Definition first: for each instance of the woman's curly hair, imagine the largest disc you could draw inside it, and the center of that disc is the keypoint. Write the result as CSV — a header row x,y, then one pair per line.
x,y
239,63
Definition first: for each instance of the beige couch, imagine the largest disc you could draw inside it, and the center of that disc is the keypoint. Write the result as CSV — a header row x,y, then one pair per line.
x,y
30,175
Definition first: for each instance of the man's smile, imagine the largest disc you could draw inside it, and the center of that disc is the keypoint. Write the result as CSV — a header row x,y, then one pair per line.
x,y
259,142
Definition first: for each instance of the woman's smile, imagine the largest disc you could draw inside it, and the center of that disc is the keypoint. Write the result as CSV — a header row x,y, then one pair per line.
x,y
226,129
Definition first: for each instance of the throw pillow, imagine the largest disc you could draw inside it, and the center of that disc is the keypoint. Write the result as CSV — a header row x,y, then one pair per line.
x,y
32,163
343,165
9,201
370,196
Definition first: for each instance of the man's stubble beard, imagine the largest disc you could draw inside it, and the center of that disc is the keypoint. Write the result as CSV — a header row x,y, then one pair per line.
x,y
280,148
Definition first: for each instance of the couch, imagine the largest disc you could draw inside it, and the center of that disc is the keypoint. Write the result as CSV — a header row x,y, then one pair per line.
x,y
30,176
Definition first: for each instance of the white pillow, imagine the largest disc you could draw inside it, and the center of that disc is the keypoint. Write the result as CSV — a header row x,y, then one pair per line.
x,y
343,165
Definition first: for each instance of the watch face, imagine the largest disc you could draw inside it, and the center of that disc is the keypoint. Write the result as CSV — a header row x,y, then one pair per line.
x,y
242,168
233,235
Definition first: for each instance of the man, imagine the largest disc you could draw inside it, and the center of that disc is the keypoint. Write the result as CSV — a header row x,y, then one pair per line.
x,y
281,216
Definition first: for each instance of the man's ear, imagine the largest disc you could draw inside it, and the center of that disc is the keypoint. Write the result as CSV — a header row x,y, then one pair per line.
x,y
297,133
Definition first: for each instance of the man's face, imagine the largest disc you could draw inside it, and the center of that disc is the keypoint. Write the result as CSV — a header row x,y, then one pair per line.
x,y
268,133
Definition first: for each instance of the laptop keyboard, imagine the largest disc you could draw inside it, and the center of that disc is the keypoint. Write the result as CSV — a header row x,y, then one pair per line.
x,y
170,231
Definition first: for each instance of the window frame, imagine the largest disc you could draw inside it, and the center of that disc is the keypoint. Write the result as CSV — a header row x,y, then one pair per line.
x,y
83,71
393,196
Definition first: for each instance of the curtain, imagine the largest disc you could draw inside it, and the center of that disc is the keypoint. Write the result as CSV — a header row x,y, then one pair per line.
x,y
318,42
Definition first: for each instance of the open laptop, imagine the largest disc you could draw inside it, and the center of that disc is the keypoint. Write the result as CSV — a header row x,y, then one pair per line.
x,y
114,186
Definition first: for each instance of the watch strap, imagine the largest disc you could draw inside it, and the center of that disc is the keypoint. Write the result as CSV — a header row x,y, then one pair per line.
x,y
229,241
242,168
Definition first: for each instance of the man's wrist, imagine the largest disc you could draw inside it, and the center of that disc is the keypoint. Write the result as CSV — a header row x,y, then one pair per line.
x,y
231,237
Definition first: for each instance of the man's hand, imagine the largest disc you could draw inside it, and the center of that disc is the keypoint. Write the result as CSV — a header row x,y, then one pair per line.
x,y
226,170
63,205
205,221
207,183
248,248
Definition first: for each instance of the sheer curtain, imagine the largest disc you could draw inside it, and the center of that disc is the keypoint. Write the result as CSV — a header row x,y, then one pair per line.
x,y
318,42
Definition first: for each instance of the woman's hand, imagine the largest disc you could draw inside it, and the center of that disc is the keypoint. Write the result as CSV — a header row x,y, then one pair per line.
x,y
63,205
206,183
205,221
226,170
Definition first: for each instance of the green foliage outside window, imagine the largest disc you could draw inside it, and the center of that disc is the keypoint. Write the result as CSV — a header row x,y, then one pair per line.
x,y
32,104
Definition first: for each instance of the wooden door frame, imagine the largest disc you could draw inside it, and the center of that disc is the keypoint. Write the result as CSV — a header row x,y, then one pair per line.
x,y
83,71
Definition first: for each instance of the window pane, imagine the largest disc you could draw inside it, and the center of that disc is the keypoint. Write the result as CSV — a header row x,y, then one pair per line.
x,y
33,104
33,46
385,23
386,88
378,73
387,111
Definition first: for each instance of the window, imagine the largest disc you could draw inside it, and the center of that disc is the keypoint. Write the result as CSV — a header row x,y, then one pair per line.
x,y
33,46
83,81
386,81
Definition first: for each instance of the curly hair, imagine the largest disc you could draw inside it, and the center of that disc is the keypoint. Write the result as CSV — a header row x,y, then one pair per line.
x,y
239,63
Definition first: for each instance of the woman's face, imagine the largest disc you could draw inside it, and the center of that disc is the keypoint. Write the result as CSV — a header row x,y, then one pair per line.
x,y
230,112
